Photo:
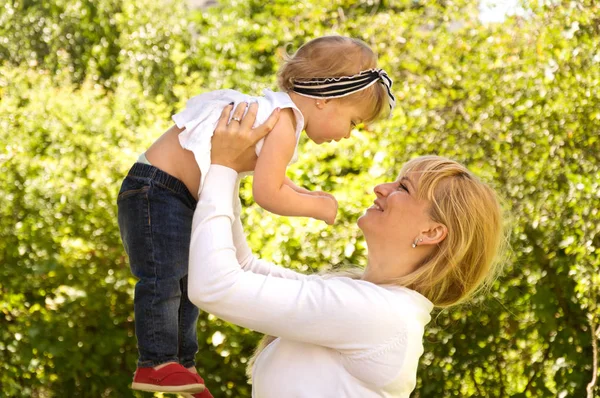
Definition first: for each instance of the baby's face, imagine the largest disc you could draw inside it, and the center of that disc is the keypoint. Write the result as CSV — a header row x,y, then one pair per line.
x,y
332,121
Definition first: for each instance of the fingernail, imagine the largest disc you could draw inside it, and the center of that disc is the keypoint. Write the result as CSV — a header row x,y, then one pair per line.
x,y
277,109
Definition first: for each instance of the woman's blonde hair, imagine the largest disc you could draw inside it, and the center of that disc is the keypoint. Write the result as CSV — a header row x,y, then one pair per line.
x,y
468,259
336,56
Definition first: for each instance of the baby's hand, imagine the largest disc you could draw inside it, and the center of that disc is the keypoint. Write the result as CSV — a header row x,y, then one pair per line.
x,y
321,193
331,207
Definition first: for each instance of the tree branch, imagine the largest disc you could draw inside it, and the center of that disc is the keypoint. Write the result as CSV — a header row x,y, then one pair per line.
x,y
537,366
592,383
499,364
471,373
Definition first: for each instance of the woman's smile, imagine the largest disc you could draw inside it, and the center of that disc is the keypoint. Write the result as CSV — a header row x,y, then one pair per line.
x,y
376,206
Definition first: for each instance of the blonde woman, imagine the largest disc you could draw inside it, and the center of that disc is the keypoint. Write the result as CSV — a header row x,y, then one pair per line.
x,y
432,234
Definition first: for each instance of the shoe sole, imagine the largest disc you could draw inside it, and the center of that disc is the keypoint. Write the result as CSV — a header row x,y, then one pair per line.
x,y
189,388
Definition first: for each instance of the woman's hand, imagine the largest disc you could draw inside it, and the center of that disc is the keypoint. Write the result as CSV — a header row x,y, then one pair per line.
x,y
233,143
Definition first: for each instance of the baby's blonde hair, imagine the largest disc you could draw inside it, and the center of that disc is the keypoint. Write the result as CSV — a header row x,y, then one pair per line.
x,y
336,56
467,259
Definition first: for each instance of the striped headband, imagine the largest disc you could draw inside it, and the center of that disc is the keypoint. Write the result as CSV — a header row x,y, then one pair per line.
x,y
336,87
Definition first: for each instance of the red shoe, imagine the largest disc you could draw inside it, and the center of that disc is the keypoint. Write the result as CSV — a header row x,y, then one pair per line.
x,y
203,394
172,378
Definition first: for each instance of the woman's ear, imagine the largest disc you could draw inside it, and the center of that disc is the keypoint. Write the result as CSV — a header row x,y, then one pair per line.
x,y
434,235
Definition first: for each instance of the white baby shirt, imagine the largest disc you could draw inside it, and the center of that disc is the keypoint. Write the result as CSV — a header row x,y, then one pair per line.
x,y
202,113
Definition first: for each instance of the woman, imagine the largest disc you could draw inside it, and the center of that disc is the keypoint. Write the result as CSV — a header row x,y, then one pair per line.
x,y
432,237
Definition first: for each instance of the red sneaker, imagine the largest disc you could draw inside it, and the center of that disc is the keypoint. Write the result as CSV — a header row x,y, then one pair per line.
x,y
203,394
172,378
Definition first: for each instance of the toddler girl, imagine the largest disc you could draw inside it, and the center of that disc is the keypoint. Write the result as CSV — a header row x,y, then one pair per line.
x,y
328,86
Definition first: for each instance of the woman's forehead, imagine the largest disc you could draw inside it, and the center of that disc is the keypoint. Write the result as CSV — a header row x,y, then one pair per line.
x,y
412,175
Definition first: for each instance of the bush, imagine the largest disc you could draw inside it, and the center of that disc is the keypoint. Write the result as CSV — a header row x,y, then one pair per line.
x,y
87,86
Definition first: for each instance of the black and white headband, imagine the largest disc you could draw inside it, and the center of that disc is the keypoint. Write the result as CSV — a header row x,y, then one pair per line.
x,y
337,87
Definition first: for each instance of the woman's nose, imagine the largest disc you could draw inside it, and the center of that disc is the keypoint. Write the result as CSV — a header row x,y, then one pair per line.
x,y
379,190
383,189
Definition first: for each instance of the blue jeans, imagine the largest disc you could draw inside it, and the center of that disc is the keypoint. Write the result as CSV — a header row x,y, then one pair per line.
x,y
155,219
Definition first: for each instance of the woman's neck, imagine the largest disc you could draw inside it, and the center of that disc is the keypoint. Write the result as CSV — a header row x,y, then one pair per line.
x,y
384,266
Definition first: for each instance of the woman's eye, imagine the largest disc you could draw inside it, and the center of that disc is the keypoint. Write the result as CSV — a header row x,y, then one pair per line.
x,y
402,186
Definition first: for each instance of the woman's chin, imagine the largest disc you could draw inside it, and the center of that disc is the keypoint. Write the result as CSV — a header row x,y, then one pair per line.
x,y
362,221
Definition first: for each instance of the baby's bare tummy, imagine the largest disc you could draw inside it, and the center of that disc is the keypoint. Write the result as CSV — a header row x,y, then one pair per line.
x,y
167,154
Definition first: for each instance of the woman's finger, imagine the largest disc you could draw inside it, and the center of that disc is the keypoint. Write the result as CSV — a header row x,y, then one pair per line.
x,y
238,114
224,118
265,128
249,118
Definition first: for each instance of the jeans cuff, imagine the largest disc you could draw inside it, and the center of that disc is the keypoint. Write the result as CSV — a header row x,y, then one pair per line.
x,y
152,363
188,363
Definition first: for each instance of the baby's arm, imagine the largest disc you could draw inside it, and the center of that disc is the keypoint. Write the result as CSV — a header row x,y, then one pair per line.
x,y
295,187
299,189
269,188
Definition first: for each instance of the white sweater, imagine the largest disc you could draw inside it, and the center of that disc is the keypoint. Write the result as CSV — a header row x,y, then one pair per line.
x,y
338,337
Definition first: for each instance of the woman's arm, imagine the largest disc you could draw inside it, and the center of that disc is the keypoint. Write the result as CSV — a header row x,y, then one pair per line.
x,y
344,314
247,260
234,142
268,186
250,263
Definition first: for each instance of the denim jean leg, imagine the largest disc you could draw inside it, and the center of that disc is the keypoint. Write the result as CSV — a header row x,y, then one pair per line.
x,y
188,336
155,223
156,304
173,246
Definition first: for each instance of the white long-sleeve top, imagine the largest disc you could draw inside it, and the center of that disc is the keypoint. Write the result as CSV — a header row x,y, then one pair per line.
x,y
338,337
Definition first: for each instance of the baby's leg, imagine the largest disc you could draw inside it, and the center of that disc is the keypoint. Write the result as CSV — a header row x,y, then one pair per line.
x,y
188,319
155,215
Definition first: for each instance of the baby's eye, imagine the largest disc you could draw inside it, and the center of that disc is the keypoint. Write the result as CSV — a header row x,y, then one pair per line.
x,y
353,124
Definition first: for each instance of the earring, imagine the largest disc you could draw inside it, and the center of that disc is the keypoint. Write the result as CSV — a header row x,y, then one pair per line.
x,y
318,103
416,242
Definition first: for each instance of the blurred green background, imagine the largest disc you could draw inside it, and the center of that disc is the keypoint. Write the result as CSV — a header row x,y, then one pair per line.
x,y
85,86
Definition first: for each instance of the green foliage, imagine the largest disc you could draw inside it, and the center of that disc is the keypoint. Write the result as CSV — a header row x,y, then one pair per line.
x,y
86,86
